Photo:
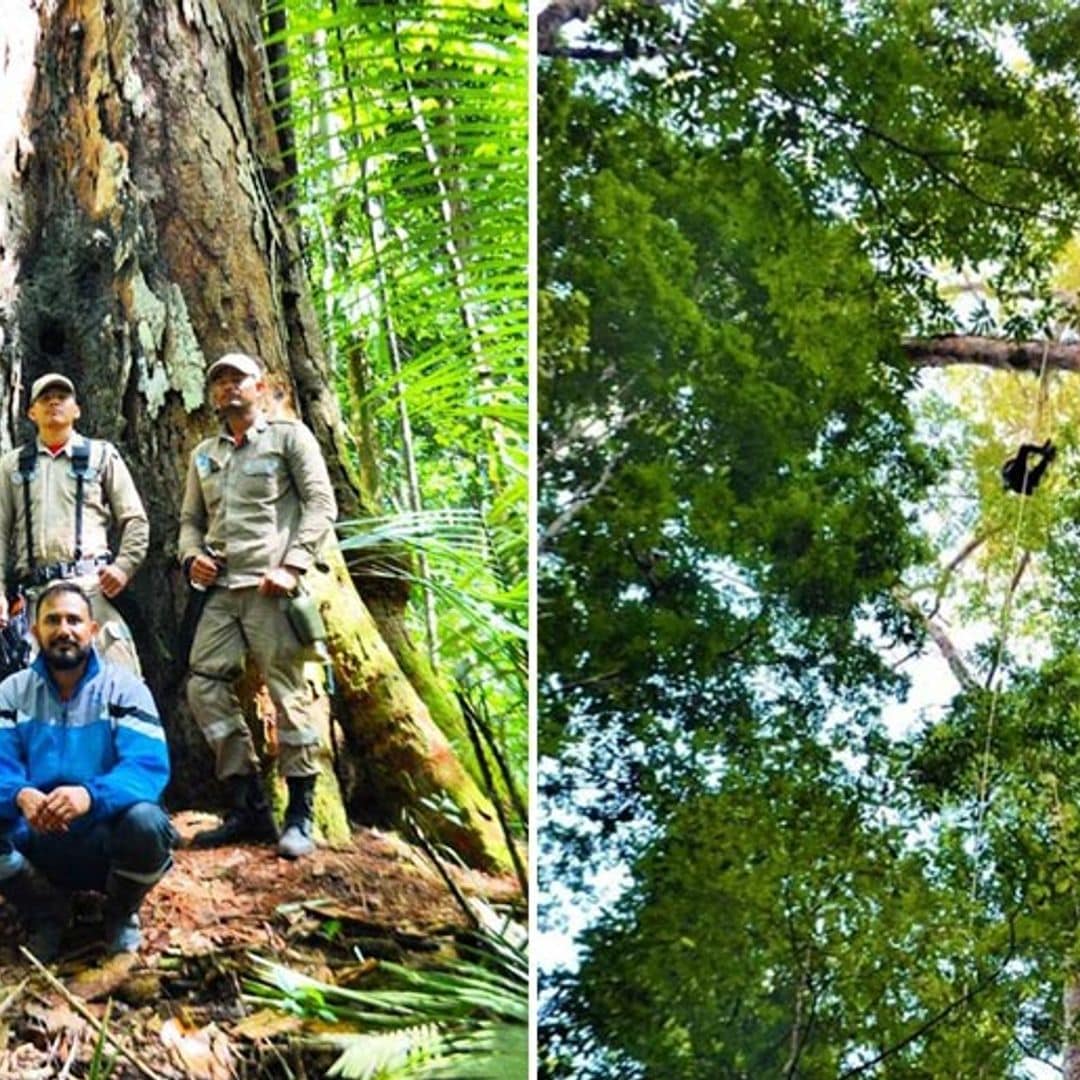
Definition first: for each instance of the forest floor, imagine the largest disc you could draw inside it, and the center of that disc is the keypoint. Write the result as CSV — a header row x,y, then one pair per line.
x,y
179,1007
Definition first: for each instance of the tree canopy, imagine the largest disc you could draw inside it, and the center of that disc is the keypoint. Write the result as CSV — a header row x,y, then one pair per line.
x,y
750,504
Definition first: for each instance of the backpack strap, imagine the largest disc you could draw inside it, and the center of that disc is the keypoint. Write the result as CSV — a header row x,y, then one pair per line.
x,y
27,465
80,463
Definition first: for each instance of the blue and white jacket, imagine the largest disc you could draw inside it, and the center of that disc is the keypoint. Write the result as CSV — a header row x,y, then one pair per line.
x,y
107,737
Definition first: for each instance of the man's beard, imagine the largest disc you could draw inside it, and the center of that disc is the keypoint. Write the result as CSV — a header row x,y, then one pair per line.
x,y
66,655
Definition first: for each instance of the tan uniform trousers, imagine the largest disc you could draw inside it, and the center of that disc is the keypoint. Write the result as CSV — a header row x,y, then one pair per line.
x,y
236,622
114,641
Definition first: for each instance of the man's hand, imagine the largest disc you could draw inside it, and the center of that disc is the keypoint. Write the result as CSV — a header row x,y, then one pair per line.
x,y
29,801
3,610
279,582
112,580
203,571
57,810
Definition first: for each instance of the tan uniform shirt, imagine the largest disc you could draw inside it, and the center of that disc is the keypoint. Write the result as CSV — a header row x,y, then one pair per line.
x,y
110,502
260,505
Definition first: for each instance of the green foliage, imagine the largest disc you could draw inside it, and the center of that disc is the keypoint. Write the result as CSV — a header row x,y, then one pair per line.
x,y
777,928
102,1063
410,124
736,502
459,545
462,1019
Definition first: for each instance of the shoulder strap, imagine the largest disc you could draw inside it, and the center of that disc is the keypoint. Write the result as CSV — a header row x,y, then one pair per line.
x,y
27,464
80,457
80,463
27,459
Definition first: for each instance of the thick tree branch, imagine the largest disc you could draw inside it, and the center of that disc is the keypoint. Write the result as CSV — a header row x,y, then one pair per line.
x,y
591,52
992,352
942,640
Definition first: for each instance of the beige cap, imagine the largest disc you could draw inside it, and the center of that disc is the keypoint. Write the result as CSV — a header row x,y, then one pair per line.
x,y
236,361
46,382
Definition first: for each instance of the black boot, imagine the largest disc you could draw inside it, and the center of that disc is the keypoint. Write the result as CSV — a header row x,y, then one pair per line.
x,y
43,909
296,836
123,897
251,818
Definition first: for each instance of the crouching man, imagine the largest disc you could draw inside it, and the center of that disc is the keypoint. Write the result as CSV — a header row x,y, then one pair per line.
x,y
83,764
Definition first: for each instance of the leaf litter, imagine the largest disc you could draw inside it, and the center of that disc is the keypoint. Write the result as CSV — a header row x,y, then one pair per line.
x,y
177,1007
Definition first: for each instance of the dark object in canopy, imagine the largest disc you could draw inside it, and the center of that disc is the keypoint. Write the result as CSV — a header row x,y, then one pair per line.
x,y
1021,477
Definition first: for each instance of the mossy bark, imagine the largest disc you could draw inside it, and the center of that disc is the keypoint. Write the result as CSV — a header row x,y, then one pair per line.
x,y
416,667
140,236
403,761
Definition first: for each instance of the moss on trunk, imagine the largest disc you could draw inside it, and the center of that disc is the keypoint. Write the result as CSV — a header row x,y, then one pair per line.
x,y
404,762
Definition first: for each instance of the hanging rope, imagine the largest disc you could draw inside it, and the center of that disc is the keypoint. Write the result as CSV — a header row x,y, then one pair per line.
x,y
1041,406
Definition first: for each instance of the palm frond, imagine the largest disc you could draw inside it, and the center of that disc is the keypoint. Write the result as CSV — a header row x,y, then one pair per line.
x,y
411,186
466,1018
387,1055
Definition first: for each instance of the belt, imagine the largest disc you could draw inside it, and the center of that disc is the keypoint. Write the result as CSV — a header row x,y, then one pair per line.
x,y
62,570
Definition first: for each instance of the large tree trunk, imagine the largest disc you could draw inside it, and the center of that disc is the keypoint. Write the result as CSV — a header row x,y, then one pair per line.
x,y
139,237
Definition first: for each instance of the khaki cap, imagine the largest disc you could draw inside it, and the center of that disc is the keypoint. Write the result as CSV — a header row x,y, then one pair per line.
x,y
46,382
236,361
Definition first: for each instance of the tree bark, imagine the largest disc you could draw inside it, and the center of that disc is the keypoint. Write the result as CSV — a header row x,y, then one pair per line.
x,y
992,352
140,236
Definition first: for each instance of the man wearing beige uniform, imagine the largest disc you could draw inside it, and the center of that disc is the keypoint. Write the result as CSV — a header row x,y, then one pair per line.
x,y
60,497
257,507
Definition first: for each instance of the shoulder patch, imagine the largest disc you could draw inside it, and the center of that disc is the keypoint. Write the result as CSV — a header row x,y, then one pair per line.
x,y
204,463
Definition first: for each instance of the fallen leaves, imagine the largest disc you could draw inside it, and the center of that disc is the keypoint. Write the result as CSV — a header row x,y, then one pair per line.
x,y
178,1006
204,1053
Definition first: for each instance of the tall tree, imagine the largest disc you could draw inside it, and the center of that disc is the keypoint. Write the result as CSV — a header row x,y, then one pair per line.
x,y
144,230
752,219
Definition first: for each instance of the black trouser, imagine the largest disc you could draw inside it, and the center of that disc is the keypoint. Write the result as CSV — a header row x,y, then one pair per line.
x,y
135,843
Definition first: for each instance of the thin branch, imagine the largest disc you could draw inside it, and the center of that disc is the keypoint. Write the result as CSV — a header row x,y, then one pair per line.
x,y
953,565
89,1017
472,727
799,1030
578,503
941,1014
1025,561
591,52
926,156
592,680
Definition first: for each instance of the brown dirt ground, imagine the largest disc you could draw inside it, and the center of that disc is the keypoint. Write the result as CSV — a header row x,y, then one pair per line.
x,y
178,1007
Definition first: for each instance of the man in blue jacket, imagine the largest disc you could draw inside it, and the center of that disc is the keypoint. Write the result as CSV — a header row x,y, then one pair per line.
x,y
83,764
